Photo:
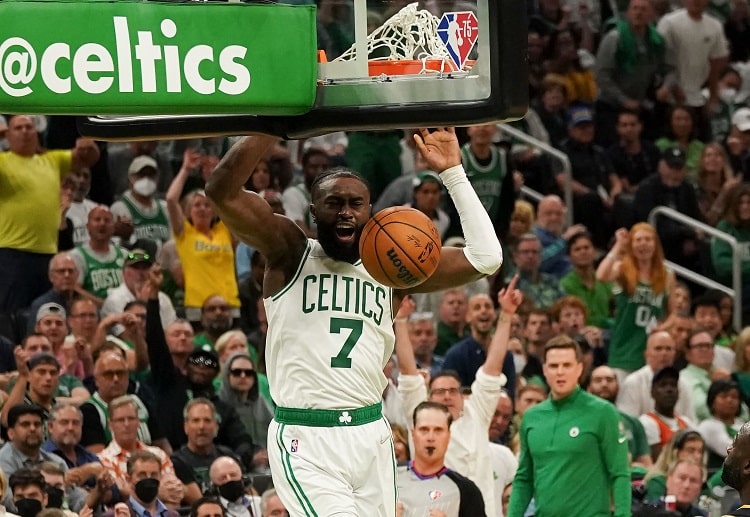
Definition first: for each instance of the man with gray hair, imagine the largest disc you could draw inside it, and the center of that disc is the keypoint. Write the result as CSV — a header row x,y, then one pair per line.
x,y
540,288
65,427
424,338
271,505
63,275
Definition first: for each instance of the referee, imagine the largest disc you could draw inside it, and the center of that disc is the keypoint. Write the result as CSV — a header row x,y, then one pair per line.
x,y
426,486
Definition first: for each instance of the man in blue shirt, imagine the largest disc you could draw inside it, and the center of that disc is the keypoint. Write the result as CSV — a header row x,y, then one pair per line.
x,y
144,473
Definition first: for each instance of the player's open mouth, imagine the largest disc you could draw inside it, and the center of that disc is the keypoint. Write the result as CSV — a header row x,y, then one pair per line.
x,y
345,233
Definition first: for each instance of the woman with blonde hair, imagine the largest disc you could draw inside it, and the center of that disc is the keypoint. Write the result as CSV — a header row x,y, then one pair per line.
x,y
636,264
204,244
685,444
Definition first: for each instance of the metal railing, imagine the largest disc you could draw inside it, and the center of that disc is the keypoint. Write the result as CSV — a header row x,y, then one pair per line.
x,y
736,290
548,149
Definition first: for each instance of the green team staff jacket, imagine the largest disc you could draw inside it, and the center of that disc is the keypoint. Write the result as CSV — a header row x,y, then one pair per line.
x,y
574,460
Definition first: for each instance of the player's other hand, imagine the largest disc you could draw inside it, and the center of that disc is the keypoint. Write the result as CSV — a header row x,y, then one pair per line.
x,y
439,148
406,308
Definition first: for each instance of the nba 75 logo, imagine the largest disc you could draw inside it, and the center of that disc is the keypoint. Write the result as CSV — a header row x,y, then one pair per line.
x,y
294,445
458,32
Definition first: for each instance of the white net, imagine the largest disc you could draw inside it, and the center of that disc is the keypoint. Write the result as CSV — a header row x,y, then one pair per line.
x,y
411,33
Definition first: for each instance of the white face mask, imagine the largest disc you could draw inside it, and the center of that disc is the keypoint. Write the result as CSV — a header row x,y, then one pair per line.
x,y
727,95
144,187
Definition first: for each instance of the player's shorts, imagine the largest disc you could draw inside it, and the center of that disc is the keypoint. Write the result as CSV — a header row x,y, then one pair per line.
x,y
333,462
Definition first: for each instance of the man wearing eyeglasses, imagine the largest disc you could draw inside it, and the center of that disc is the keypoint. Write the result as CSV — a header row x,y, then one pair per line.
x,y
124,423
135,274
111,378
63,274
700,371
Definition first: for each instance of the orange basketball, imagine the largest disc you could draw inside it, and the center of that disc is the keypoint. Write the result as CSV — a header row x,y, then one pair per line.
x,y
400,247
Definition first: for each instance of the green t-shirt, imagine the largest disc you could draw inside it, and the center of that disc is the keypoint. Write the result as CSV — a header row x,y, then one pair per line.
x,y
635,316
596,300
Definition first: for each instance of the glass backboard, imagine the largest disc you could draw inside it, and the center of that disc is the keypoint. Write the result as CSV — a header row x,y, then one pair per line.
x,y
380,64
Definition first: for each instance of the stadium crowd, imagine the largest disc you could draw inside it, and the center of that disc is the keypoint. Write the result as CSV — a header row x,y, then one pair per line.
x,y
132,323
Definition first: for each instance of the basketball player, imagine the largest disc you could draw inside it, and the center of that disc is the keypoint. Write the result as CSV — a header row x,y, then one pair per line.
x,y
330,327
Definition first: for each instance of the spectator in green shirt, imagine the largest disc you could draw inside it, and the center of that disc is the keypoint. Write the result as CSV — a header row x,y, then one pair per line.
x,y
581,281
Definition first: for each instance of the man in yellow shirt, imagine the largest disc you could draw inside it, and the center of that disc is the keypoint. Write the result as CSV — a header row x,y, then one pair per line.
x,y
30,197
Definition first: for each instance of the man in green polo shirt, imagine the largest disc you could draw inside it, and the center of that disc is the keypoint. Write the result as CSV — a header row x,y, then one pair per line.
x,y
574,453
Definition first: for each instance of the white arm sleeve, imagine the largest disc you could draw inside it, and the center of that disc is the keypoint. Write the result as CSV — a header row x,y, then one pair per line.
x,y
482,249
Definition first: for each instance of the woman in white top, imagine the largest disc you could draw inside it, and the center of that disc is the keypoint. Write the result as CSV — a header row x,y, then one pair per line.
x,y
723,400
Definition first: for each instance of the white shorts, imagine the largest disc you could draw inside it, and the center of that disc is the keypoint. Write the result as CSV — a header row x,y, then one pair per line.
x,y
343,470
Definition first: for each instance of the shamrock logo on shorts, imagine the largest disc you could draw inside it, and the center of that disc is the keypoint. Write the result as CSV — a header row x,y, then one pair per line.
x,y
345,418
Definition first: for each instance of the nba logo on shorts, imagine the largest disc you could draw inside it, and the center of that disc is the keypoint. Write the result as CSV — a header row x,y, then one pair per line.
x,y
295,445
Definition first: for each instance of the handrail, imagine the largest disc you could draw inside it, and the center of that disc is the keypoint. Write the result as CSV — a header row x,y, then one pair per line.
x,y
736,290
538,144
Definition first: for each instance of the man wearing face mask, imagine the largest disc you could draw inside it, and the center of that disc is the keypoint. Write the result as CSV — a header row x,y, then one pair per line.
x,y
144,475
140,205
226,476
29,492
58,495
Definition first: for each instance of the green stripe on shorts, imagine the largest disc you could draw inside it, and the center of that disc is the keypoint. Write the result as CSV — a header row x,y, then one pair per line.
x,y
290,477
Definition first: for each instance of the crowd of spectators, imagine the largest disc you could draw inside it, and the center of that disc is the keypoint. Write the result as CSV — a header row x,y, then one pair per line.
x,y
132,324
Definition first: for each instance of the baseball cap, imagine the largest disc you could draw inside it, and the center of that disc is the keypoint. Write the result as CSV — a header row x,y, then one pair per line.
x,y
741,119
579,115
205,357
140,163
674,157
668,372
43,358
50,309
424,177
138,256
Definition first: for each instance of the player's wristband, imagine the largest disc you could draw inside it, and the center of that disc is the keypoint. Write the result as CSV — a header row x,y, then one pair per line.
x,y
482,249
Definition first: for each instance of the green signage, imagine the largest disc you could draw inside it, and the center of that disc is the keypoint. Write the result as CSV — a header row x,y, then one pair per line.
x,y
149,58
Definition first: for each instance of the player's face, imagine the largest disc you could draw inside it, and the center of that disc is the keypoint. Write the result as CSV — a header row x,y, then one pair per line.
x,y
734,464
431,435
341,208
562,369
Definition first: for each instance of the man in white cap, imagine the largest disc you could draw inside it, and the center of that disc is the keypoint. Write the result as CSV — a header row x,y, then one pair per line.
x,y
139,205
738,142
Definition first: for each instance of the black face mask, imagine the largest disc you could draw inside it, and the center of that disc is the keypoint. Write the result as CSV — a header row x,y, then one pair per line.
x,y
28,507
55,497
232,490
147,490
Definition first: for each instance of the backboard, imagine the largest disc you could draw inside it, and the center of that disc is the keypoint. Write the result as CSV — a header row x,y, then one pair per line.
x,y
345,65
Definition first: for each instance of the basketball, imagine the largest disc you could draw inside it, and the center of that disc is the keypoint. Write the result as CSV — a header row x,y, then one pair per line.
x,y
400,247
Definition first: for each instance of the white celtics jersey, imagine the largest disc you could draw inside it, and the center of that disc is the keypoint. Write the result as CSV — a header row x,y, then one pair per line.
x,y
330,333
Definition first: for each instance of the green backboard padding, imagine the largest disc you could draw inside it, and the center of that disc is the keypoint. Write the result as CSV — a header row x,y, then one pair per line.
x,y
149,58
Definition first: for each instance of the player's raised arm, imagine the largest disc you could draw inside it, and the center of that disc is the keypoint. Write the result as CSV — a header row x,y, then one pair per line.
x,y
248,215
482,255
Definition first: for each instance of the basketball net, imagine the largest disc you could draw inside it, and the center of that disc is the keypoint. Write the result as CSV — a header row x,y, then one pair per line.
x,y
410,34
